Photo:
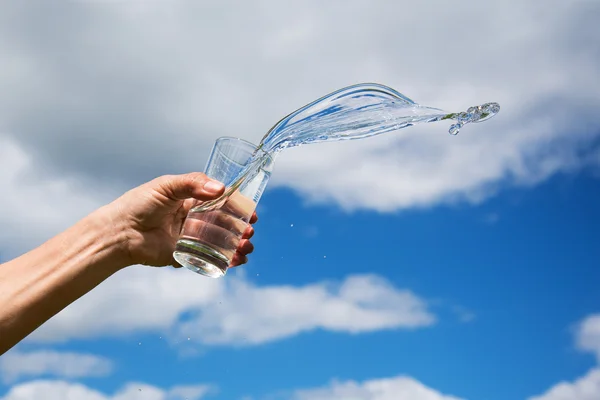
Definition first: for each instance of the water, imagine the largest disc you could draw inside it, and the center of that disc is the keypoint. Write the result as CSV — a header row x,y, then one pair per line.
x,y
355,112
212,230
214,233
362,111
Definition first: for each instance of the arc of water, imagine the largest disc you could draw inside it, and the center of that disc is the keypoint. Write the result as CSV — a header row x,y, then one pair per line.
x,y
353,112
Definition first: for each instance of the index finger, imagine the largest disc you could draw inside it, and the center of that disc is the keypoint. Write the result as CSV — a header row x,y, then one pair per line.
x,y
253,218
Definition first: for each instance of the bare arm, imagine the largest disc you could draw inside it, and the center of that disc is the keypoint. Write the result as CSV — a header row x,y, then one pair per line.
x,y
39,284
141,227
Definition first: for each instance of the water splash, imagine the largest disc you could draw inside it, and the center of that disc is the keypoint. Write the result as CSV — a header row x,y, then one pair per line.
x,y
473,114
354,112
361,111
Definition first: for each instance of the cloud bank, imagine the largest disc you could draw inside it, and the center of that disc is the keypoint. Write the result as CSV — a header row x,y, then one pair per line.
x,y
233,312
150,95
64,390
397,388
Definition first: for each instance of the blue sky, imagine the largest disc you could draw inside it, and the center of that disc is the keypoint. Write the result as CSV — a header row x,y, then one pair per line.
x,y
507,293
414,265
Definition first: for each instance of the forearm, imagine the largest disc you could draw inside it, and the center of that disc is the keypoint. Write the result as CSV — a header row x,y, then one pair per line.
x,y
39,284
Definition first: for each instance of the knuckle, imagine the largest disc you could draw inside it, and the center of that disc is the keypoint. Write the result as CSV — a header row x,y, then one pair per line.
x,y
165,181
195,179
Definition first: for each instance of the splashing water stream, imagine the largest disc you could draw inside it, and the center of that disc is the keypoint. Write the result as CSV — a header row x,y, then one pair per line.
x,y
361,111
354,112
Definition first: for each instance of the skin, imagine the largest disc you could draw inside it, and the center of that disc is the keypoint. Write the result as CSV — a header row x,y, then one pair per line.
x,y
140,227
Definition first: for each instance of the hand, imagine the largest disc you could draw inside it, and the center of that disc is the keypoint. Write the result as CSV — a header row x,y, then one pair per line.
x,y
151,217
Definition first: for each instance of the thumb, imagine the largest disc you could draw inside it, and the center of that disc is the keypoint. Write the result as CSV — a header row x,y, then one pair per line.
x,y
194,185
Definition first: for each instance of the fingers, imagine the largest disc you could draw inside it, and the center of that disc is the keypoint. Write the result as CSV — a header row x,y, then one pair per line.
x,y
238,259
248,233
194,185
245,247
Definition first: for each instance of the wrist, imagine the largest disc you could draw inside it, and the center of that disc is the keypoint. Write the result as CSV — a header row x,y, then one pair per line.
x,y
106,239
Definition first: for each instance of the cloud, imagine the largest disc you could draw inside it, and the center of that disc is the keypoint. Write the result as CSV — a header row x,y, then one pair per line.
x,y
584,388
233,311
463,314
396,388
588,335
15,365
35,207
189,392
124,301
361,303
121,92
63,390
588,386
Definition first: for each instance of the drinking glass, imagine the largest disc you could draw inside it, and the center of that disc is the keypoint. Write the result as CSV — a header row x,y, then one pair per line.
x,y
212,230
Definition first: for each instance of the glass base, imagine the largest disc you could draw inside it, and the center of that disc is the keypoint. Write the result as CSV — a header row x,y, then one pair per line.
x,y
200,258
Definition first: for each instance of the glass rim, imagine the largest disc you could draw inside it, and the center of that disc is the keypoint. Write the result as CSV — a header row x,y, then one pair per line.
x,y
246,142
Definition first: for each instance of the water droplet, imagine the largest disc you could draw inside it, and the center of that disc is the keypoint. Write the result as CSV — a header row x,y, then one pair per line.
x,y
475,113
188,338
291,225
324,256
257,274
140,343
455,128
491,108
464,117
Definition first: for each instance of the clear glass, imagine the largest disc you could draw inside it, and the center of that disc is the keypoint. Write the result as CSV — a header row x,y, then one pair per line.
x,y
212,230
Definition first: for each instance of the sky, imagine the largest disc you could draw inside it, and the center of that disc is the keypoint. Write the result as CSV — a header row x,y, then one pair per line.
x,y
413,265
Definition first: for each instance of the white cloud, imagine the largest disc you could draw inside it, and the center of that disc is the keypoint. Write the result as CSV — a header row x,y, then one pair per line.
x,y
15,365
124,301
233,311
167,78
35,206
63,390
396,388
52,390
588,335
584,388
190,392
588,386
252,315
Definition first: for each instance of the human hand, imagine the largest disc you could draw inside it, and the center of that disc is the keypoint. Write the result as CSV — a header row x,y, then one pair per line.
x,y
150,218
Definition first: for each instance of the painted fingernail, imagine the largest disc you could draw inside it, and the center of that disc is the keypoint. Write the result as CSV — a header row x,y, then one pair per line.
x,y
213,186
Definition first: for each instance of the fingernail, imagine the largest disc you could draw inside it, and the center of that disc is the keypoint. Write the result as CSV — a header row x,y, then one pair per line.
x,y
213,186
